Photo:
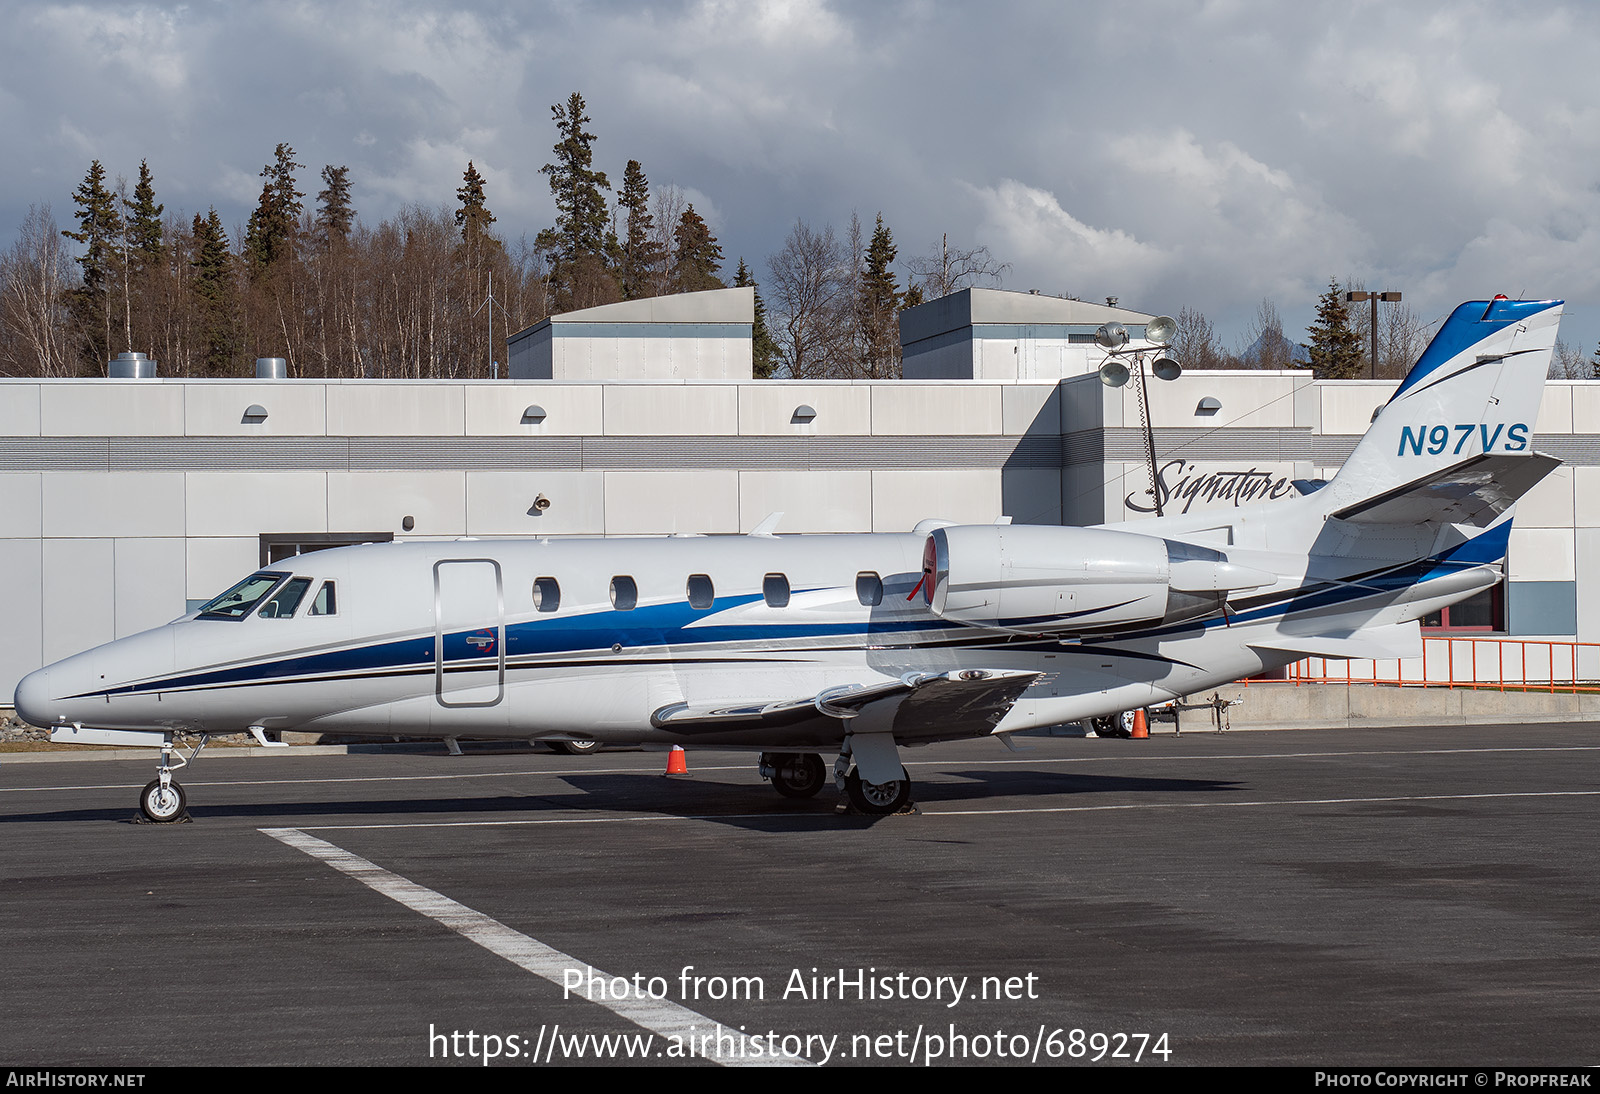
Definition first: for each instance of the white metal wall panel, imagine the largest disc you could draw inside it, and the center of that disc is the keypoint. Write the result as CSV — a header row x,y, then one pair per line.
x,y
294,409
149,583
116,504
247,504
902,498
642,502
111,408
1541,554
19,409
935,410
215,564
79,596
21,503
664,409
571,410
379,501
810,501
22,607
498,503
843,409
386,409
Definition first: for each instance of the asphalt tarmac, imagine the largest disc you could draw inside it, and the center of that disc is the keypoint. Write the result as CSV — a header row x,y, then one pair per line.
x,y
1419,896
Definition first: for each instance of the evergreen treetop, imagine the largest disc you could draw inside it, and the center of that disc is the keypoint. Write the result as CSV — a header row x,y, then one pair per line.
x,y
581,214
270,234
699,256
144,220
640,255
473,217
335,215
763,349
1334,347
99,228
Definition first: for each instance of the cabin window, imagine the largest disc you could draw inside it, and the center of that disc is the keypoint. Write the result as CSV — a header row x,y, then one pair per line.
x,y
775,589
701,592
284,604
547,594
869,588
237,601
325,603
624,593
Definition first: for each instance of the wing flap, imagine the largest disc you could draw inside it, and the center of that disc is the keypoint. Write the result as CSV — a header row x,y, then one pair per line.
x,y
1377,643
963,698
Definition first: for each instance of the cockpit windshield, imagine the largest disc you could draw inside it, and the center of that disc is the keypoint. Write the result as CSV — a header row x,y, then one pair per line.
x,y
237,601
283,605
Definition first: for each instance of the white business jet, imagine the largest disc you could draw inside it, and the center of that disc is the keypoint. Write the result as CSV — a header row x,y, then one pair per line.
x,y
860,645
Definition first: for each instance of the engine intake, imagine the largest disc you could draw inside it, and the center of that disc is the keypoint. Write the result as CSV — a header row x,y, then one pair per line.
x,y
1046,580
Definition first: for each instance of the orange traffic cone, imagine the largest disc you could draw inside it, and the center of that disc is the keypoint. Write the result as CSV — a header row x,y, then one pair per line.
x,y
1141,726
677,761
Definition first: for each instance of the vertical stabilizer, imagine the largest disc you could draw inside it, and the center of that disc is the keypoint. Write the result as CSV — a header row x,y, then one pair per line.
x,y
1474,391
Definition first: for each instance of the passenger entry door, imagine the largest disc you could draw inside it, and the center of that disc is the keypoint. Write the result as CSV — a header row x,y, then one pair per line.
x,y
469,633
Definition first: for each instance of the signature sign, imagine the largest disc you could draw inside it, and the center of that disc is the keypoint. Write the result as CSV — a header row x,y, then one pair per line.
x,y
1184,482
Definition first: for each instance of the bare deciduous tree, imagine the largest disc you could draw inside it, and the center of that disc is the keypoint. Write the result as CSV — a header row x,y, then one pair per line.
x,y
34,284
809,300
1196,345
947,270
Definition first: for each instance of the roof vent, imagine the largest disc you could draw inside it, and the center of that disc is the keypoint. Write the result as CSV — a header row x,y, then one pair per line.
x,y
131,366
255,412
272,368
803,415
534,415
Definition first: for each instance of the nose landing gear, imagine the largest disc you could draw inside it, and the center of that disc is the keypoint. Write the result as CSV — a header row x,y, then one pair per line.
x,y
163,800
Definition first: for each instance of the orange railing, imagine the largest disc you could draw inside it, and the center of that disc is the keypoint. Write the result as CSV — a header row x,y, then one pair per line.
x,y
1447,661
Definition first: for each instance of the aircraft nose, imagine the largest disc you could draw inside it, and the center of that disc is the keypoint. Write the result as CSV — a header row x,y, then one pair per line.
x,y
33,698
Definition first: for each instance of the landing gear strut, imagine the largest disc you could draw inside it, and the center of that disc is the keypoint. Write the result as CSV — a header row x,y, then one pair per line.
x,y
794,774
163,800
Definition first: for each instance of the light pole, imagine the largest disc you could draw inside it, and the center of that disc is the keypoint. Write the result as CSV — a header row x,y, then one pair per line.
x,y
1113,338
1389,297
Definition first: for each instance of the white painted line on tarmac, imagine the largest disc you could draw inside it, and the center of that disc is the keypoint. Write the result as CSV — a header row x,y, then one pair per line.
x,y
660,1016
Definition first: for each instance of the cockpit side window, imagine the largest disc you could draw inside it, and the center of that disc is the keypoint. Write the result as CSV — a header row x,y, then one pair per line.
x,y
283,605
237,601
325,603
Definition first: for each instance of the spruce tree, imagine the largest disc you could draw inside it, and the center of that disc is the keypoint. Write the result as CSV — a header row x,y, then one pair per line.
x,y
763,350
213,286
640,254
1335,349
473,216
335,215
144,221
100,231
577,243
270,234
878,302
699,256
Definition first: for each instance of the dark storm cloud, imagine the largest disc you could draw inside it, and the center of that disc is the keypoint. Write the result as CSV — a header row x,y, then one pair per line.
x,y
1168,154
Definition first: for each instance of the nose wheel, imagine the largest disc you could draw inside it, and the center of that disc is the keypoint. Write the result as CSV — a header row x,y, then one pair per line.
x,y
163,800
163,804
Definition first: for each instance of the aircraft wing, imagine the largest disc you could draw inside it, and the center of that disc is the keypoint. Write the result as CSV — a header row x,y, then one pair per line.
x,y
1475,491
970,700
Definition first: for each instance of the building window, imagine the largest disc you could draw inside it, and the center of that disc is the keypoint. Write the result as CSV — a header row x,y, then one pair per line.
x,y
775,589
869,588
277,546
1484,612
546,594
624,593
701,592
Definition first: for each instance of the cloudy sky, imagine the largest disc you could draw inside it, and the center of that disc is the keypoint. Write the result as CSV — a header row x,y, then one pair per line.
x,y
1170,154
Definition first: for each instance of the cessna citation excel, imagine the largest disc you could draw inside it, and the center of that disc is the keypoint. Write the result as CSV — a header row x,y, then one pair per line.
x,y
860,645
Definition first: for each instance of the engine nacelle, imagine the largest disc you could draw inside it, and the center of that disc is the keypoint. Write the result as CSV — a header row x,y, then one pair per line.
x,y
1041,579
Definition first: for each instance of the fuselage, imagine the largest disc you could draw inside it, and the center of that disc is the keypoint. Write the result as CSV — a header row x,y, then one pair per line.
x,y
593,637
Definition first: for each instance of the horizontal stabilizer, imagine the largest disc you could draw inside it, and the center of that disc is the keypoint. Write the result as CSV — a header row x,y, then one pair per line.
x,y
1376,643
1475,491
975,698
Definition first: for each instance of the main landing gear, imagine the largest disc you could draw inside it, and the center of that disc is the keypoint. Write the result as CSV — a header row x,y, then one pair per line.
x,y
163,800
1113,725
802,774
